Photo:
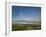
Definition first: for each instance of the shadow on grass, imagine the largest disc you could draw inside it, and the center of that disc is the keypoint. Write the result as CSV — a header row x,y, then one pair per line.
x,y
18,27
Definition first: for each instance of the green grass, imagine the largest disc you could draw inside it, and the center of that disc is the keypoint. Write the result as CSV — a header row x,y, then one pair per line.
x,y
25,27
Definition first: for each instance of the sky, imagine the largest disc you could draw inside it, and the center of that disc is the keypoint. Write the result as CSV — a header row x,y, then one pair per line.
x,y
26,13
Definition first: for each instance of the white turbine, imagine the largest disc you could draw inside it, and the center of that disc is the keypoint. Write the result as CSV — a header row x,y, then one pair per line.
x,y
21,16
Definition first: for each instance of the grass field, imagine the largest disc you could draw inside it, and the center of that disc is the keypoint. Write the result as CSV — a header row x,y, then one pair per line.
x,y
18,27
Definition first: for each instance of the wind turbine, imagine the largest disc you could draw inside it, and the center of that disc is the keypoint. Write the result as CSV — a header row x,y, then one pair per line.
x,y
21,16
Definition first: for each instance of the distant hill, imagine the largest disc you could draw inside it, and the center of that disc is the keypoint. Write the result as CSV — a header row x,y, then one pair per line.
x,y
25,21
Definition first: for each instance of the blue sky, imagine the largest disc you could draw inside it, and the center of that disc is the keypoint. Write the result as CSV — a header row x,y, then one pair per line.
x,y
26,13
